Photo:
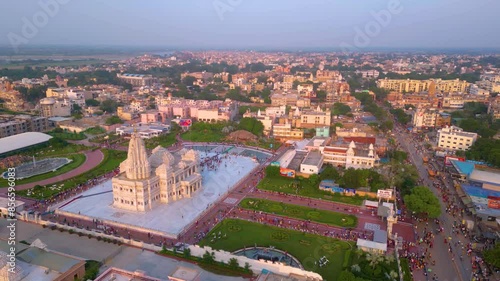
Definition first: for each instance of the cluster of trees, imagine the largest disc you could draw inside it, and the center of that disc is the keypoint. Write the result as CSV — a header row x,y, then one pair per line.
x,y
356,178
235,94
484,149
401,116
96,77
252,125
370,106
33,94
340,109
109,106
422,201
26,72
113,120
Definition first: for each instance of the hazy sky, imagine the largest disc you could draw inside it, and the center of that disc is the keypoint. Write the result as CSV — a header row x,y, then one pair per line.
x,y
255,23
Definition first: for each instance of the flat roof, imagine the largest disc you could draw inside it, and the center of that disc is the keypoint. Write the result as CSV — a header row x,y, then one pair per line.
x,y
23,140
313,158
484,176
185,273
371,244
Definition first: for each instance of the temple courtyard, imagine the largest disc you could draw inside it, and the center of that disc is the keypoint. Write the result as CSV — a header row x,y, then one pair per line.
x,y
170,219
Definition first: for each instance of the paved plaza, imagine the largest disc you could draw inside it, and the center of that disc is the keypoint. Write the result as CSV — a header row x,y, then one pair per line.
x,y
169,218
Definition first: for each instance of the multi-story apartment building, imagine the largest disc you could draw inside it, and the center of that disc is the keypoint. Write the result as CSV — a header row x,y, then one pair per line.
x,y
137,80
411,86
201,110
50,107
279,99
453,101
430,118
368,73
315,118
284,132
21,124
454,138
494,108
325,75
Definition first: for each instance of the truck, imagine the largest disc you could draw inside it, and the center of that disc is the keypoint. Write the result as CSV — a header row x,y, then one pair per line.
x,y
431,173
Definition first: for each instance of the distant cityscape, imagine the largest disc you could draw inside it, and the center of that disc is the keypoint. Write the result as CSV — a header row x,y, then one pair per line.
x,y
252,165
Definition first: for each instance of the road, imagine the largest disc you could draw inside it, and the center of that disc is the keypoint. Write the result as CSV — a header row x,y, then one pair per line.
x,y
448,265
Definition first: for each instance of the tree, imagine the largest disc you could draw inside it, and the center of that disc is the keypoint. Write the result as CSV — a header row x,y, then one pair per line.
x,y
247,267
252,125
92,102
422,201
487,150
109,106
57,142
272,171
113,120
233,263
187,253
321,96
329,173
188,80
208,257
492,256
340,109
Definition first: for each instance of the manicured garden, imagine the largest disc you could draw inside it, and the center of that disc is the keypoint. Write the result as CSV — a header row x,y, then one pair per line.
x,y
112,159
163,140
65,135
305,187
205,132
51,151
307,248
300,212
97,130
78,160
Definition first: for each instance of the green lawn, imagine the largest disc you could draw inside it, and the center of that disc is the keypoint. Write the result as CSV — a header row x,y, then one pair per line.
x,y
78,160
300,212
95,130
101,139
305,188
405,266
307,248
112,159
50,151
163,140
69,136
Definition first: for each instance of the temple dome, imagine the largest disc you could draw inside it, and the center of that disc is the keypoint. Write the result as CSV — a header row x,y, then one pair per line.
x,y
160,156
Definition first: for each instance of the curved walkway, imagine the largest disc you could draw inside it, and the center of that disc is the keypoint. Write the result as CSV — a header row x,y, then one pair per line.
x,y
93,158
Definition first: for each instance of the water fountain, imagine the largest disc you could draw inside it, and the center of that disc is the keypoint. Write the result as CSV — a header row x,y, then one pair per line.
x,y
33,168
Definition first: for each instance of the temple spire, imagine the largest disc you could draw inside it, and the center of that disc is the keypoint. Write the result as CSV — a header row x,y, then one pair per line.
x,y
137,159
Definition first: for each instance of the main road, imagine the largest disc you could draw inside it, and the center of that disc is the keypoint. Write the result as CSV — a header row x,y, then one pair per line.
x,y
448,264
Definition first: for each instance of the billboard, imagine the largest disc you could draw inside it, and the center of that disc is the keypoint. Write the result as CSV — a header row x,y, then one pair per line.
x,y
493,202
185,123
447,159
384,193
289,173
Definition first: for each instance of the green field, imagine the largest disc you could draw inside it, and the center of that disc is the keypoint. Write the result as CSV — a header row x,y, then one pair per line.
x,y
69,136
95,130
307,248
45,152
300,212
163,140
78,160
112,159
304,187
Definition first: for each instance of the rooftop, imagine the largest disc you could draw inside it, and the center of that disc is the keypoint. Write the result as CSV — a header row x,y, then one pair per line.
x,y
23,140
313,158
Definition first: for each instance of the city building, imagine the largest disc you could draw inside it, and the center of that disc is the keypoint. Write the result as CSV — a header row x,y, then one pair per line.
x,y
494,108
17,124
137,80
312,163
412,86
315,118
284,132
430,118
368,73
144,182
325,75
145,131
454,138
51,107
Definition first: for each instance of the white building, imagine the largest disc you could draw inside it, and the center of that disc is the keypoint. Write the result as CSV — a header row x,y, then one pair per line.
x,y
312,163
454,138
50,107
475,90
144,182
